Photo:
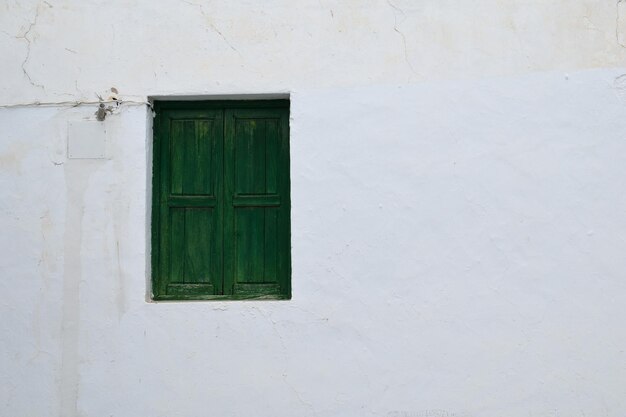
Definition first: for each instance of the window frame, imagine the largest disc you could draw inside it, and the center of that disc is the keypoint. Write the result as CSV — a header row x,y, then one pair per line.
x,y
236,104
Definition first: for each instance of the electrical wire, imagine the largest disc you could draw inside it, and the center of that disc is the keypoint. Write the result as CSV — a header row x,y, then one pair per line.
x,y
74,103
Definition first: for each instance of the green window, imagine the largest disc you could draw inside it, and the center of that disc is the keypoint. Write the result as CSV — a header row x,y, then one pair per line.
x,y
220,213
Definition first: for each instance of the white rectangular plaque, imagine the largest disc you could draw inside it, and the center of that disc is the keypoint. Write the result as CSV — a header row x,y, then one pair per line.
x,y
86,140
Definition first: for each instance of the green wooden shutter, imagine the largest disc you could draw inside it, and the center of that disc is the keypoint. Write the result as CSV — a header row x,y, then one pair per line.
x,y
256,185
190,209
221,226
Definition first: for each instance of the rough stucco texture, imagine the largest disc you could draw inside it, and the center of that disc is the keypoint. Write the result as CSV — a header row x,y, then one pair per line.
x,y
458,245
62,49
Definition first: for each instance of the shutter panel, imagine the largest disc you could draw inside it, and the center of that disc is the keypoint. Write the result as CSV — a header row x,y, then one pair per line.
x,y
256,181
190,215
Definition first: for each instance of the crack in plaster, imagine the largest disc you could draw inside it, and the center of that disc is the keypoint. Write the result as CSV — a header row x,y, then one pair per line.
x,y
396,9
619,87
212,25
223,37
620,39
298,395
26,37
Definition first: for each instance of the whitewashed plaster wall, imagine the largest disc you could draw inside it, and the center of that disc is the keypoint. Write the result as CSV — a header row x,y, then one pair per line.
x,y
458,211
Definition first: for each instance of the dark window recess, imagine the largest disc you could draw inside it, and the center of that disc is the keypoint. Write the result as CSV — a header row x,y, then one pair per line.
x,y
220,215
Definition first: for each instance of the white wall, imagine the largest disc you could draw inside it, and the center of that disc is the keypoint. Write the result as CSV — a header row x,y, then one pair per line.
x,y
458,211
